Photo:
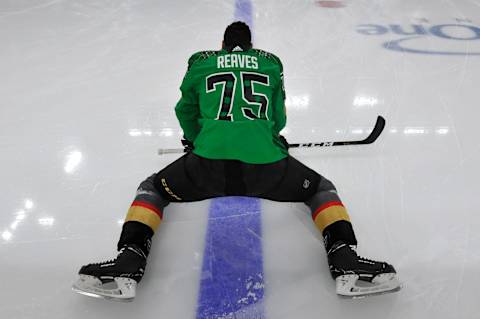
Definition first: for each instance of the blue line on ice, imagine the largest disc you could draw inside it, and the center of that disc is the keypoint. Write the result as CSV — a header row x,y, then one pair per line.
x,y
232,280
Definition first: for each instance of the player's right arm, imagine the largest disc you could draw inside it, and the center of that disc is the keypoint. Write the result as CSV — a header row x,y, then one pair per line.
x,y
187,109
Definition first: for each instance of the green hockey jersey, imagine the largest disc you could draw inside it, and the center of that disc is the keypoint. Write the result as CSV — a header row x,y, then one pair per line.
x,y
233,105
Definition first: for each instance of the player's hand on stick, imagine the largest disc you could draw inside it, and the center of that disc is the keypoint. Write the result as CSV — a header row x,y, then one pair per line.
x,y
284,141
187,145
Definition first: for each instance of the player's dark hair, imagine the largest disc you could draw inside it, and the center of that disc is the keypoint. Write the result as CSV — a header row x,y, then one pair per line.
x,y
237,34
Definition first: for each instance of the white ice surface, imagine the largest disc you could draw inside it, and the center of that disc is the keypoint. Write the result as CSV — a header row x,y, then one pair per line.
x,y
87,90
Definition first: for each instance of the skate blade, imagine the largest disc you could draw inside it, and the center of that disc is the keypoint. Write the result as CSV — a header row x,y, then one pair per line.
x,y
119,289
349,286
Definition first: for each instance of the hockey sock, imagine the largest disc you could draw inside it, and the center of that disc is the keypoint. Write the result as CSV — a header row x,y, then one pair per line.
x,y
333,221
146,213
330,216
136,233
339,231
147,208
144,216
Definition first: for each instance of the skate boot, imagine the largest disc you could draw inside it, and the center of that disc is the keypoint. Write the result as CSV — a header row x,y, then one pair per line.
x,y
114,279
357,276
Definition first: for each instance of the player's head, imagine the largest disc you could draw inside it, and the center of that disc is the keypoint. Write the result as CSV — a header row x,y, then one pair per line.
x,y
237,34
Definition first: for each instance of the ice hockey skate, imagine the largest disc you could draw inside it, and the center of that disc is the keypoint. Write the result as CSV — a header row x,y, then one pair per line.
x,y
114,279
358,277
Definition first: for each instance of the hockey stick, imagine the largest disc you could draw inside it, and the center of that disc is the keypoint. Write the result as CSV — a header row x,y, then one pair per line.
x,y
377,130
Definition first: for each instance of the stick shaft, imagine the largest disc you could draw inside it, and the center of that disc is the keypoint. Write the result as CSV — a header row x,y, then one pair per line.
x,y
377,130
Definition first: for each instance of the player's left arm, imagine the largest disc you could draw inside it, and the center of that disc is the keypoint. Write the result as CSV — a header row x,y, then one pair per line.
x,y
278,103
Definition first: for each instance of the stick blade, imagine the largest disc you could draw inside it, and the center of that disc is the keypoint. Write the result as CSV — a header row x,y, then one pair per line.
x,y
377,130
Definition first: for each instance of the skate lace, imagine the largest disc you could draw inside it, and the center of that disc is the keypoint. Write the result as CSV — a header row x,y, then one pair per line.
x,y
354,248
367,260
113,259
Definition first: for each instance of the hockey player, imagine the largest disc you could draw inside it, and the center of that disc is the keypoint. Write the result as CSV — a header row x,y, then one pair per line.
x,y
232,111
